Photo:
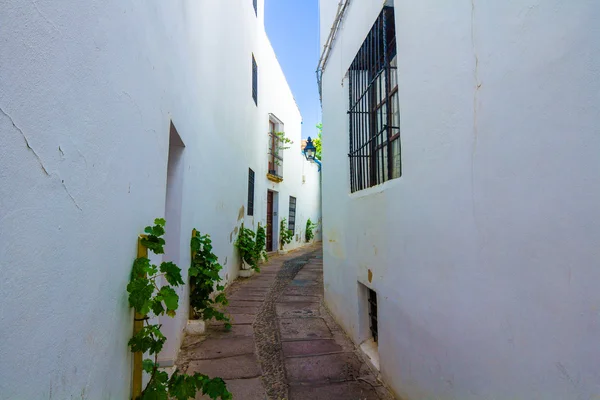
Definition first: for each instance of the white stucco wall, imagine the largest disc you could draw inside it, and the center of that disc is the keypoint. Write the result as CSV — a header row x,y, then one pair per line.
x,y
87,95
485,252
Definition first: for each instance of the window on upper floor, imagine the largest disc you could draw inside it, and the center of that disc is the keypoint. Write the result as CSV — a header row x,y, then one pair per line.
x,y
255,7
275,151
292,215
374,113
250,192
254,80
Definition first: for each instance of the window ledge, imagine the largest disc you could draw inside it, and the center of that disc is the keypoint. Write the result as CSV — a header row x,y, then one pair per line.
x,y
274,178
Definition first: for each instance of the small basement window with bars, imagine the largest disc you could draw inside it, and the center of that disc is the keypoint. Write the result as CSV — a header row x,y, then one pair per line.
x,y
373,107
292,215
250,192
373,314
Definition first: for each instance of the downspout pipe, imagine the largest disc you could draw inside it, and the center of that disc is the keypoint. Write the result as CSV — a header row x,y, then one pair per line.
x,y
315,160
318,163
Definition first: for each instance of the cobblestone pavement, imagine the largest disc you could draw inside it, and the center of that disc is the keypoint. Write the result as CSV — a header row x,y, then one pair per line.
x,y
283,344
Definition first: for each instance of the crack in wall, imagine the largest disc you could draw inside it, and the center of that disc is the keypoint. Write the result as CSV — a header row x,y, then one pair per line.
x,y
26,141
38,158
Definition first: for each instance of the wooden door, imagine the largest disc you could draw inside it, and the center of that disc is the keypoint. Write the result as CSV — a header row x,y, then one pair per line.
x,y
269,221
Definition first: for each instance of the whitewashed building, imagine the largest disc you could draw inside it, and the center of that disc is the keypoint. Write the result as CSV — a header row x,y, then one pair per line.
x,y
112,114
461,196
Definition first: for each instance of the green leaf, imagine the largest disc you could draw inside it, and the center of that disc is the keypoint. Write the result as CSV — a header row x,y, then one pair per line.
x,y
148,365
215,388
140,291
182,387
157,307
170,297
172,273
160,221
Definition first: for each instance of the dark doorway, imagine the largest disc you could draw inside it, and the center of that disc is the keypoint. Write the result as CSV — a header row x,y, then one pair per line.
x,y
270,221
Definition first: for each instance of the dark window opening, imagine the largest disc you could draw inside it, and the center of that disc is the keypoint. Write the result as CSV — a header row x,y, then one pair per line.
x,y
250,192
292,215
373,314
373,107
255,8
254,80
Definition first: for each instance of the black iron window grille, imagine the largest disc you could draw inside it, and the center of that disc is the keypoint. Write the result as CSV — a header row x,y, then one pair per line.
x,y
255,8
292,215
250,192
275,152
254,80
373,107
373,314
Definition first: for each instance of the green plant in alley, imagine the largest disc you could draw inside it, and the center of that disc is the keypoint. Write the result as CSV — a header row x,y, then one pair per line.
x,y
151,301
317,141
309,234
246,245
205,281
260,247
282,142
285,233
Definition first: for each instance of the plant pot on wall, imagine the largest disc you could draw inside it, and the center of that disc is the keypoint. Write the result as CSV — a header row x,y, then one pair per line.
x,y
246,270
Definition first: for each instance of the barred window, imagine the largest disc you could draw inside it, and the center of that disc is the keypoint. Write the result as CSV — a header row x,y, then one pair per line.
x,y
254,80
250,192
373,107
292,215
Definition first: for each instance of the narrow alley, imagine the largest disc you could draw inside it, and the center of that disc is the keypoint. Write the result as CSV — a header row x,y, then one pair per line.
x,y
299,200
284,344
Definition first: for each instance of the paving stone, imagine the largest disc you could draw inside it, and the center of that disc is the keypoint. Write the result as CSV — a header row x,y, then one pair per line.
x,y
303,328
192,340
242,319
243,389
304,283
252,310
303,291
236,331
324,368
245,292
334,391
247,296
286,299
310,347
298,309
221,347
237,367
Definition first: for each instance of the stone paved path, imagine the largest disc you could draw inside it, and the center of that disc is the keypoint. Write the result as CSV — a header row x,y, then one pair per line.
x,y
283,344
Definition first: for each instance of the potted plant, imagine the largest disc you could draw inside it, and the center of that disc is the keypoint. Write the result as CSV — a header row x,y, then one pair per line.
x,y
246,245
260,247
309,234
285,235
206,290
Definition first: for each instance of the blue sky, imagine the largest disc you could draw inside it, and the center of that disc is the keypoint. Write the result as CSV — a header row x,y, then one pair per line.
x,y
293,29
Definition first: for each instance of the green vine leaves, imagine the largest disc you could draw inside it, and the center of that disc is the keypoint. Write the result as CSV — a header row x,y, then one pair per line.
x,y
309,234
285,234
150,301
205,281
252,246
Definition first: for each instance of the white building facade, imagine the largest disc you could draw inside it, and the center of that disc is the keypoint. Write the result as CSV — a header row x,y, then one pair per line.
x,y
113,114
462,193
